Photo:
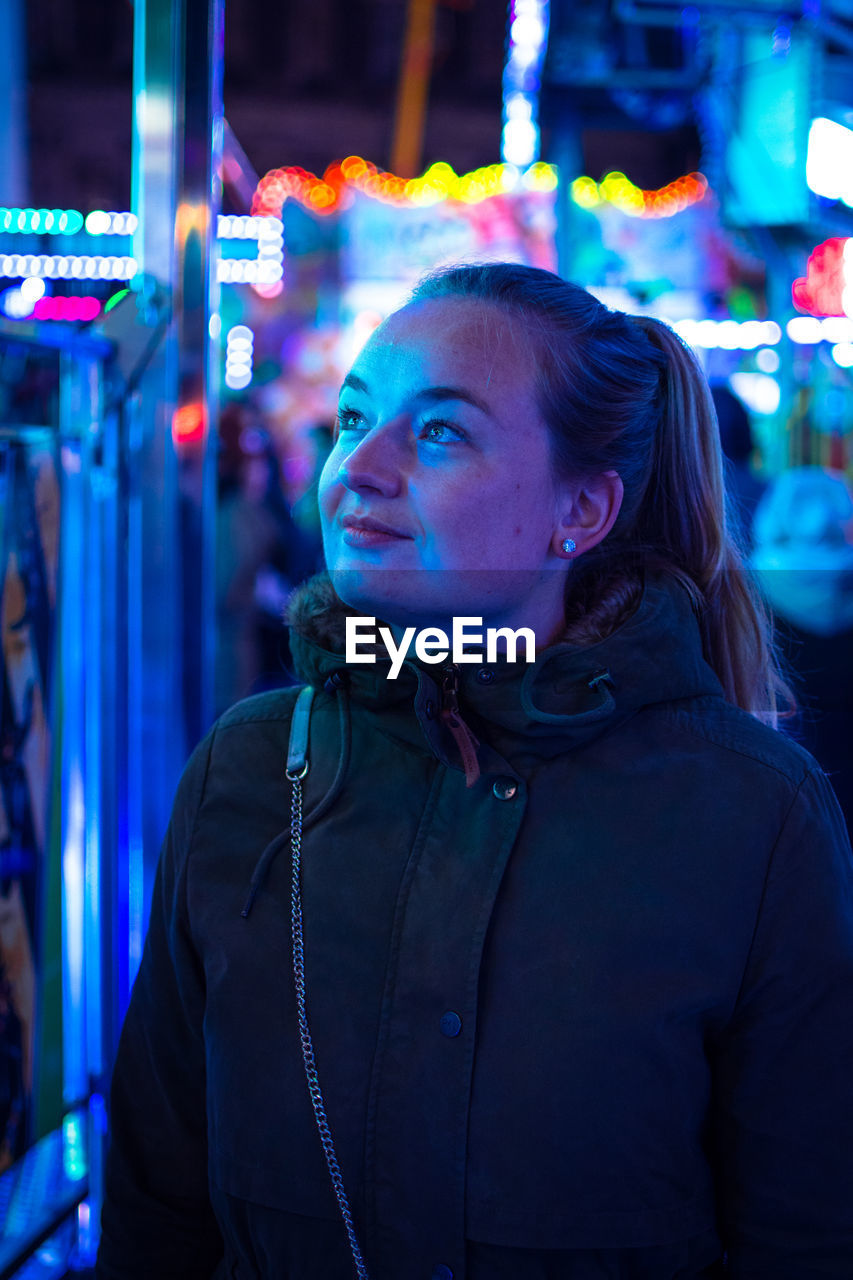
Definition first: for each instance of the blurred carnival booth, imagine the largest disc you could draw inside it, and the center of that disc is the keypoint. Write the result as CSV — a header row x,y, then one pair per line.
x,y
66,798
106,564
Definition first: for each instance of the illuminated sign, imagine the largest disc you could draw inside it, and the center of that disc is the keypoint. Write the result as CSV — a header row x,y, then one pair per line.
x,y
827,287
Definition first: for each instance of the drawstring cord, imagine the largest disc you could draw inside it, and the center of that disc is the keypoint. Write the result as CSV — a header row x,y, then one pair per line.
x,y
452,718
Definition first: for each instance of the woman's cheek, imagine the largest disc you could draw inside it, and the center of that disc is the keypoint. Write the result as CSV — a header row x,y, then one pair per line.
x,y
329,488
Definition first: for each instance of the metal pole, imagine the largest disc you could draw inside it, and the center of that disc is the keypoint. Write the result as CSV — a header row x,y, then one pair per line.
x,y
178,47
197,300
413,88
13,104
567,155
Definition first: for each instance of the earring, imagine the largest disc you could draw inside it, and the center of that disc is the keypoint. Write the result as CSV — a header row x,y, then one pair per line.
x,y
569,546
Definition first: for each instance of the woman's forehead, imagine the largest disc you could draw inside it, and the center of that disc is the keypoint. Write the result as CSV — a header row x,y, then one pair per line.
x,y
476,338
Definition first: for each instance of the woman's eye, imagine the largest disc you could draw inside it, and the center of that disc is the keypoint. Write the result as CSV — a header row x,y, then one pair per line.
x,y
437,432
349,420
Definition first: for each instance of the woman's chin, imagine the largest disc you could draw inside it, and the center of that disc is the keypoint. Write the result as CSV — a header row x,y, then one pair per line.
x,y
371,591
404,596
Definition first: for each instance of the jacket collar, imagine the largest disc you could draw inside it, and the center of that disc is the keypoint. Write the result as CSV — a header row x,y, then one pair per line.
x,y
564,699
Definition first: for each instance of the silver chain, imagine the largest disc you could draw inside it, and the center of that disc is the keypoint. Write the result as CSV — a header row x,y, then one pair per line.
x,y
304,1032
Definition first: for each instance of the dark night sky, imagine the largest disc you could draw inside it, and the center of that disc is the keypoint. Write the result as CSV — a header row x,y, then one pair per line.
x,y
304,84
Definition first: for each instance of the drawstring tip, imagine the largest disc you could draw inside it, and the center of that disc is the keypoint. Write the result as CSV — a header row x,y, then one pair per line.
x,y
467,744
249,901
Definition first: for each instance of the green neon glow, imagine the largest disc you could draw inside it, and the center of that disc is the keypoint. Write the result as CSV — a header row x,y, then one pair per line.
x,y
115,300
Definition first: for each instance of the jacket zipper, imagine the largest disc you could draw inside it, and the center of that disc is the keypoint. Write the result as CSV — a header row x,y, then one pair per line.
x,y
451,716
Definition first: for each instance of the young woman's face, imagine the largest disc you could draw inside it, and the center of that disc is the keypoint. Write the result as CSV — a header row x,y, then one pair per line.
x,y
441,442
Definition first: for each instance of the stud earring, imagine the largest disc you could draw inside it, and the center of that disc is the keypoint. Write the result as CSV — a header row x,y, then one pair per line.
x,y
569,546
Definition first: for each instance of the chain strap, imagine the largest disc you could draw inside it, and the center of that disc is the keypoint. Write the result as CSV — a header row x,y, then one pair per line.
x,y
304,1033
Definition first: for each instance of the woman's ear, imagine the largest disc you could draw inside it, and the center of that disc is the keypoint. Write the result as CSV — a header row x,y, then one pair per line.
x,y
587,511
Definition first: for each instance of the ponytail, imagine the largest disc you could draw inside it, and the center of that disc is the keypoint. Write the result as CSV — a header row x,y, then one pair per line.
x,y
624,393
685,516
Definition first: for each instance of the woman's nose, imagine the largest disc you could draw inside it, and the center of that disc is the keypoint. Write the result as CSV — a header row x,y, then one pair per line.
x,y
374,464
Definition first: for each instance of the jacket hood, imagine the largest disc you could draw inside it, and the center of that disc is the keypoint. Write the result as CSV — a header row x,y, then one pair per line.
x,y
567,696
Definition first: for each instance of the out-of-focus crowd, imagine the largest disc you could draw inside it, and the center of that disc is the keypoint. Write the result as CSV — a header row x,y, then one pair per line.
x,y
797,531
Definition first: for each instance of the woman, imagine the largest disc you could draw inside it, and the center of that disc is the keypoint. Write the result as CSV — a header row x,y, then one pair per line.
x,y
571,939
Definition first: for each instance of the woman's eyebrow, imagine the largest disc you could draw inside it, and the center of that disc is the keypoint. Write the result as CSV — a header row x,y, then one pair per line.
x,y
436,394
453,393
355,382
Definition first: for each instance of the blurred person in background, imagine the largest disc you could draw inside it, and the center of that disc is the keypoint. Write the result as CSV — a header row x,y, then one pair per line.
x,y
803,553
306,509
17,1022
261,555
742,484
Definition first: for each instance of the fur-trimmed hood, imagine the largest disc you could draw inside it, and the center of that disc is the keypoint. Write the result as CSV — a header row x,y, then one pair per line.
x,y
316,612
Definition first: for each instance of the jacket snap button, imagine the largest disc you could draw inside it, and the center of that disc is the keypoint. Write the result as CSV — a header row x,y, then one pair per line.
x,y
441,1272
485,675
504,788
451,1024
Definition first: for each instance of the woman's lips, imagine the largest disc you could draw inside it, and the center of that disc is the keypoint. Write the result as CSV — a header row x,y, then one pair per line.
x,y
355,536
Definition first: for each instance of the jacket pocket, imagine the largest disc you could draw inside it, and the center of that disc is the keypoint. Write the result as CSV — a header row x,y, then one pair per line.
x,y
263,1144
294,1182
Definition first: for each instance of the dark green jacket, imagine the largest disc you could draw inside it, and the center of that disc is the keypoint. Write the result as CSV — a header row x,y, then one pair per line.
x,y
587,1017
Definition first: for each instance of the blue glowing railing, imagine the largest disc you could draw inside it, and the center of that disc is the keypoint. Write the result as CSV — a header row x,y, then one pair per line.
x,y
41,1191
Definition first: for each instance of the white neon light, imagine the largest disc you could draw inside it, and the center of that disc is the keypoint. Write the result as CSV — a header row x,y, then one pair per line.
x,y
33,288
730,335
758,391
271,249
528,36
268,267
527,30
99,223
829,161
520,142
245,227
15,305
239,354
268,232
836,329
808,330
767,360
102,223
67,266
248,271
518,106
